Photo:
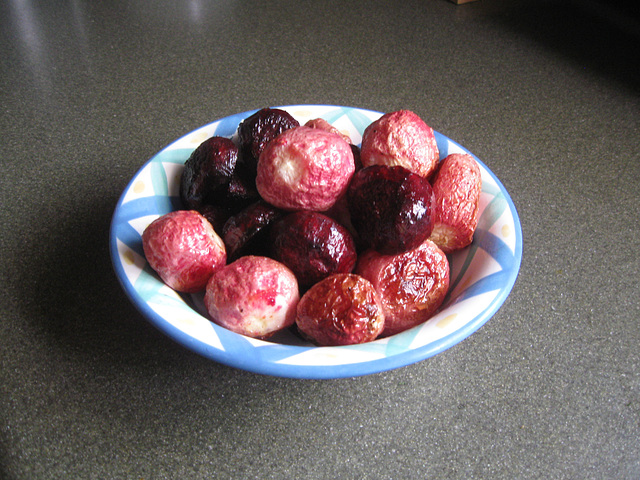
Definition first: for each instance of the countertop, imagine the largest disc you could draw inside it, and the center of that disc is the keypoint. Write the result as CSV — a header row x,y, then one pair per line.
x,y
545,93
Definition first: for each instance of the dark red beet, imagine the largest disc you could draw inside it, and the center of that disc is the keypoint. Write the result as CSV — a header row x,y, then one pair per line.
x,y
391,208
247,231
239,193
356,156
313,246
256,131
208,171
217,216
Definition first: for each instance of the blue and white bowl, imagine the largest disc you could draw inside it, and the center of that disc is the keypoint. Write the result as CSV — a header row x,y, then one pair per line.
x,y
482,275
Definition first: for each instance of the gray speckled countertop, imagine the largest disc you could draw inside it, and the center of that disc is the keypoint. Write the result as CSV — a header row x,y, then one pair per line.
x,y
545,93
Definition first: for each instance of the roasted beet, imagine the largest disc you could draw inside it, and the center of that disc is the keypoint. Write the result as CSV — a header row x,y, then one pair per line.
x,y
256,131
247,231
391,208
207,172
411,285
217,215
184,250
356,156
342,309
240,192
313,246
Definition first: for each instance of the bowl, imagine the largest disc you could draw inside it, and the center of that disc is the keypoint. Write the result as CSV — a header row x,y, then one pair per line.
x,y
482,275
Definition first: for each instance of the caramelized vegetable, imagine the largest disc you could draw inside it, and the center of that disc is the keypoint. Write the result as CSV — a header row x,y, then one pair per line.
x,y
343,309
